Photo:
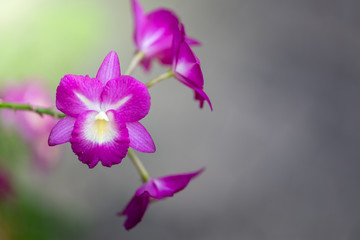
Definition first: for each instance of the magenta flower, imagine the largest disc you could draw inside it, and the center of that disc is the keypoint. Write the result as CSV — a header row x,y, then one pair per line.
x,y
32,127
186,67
153,35
155,188
6,188
103,115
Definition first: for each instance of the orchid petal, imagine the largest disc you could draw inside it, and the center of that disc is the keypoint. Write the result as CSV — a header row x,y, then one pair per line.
x,y
139,20
128,97
135,210
146,64
201,96
140,139
169,185
76,94
166,57
187,66
109,69
193,41
61,133
96,138
158,32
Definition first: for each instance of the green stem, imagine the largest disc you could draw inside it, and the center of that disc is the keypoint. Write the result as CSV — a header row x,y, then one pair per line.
x,y
134,62
160,78
138,165
27,107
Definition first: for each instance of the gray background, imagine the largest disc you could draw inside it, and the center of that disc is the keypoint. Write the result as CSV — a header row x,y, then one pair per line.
x,y
281,148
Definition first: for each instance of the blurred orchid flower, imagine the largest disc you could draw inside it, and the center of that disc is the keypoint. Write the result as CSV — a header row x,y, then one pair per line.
x,y
32,127
6,188
153,34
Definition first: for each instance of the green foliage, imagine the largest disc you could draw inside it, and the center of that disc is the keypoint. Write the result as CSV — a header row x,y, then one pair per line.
x,y
13,150
49,39
26,218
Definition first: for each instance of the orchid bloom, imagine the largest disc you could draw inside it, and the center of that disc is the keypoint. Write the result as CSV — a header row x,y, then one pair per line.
x,y
32,127
155,188
153,35
186,67
103,115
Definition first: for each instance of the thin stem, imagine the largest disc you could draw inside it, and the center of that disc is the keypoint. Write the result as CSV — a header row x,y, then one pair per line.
x,y
27,107
160,78
134,62
138,165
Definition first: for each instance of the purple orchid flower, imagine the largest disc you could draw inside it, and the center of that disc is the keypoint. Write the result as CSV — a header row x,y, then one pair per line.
x,y
32,127
153,35
103,115
155,188
186,67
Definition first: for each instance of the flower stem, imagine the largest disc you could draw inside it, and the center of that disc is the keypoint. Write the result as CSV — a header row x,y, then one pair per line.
x,y
138,165
134,62
27,107
160,78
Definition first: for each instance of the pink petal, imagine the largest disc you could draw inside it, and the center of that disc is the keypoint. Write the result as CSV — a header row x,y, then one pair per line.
x,y
156,34
135,210
188,67
192,41
139,137
167,186
139,20
93,142
61,132
177,53
201,96
109,69
146,64
166,57
76,94
127,96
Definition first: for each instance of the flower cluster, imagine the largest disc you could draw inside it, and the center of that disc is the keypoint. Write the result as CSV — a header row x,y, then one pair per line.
x,y
100,115
103,113
160,35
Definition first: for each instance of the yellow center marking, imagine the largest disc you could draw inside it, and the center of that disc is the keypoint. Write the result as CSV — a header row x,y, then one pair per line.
x,y
102,125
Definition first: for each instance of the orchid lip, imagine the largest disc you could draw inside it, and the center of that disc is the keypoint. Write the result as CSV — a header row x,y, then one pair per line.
x,y
102,116
99,128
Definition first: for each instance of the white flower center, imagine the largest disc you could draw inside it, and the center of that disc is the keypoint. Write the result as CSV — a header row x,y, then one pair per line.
x,y
100,129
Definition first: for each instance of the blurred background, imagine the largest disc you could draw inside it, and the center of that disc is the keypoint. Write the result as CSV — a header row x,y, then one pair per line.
x,y
281,148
